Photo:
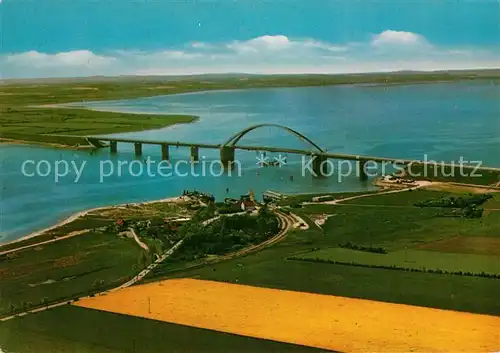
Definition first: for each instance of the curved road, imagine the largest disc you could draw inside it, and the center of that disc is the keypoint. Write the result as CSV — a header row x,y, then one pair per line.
x,y
286,223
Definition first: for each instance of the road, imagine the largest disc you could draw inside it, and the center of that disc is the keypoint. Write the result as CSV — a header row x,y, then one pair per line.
x,y
286,223
76,216
69,235
420,184
133,281
137,240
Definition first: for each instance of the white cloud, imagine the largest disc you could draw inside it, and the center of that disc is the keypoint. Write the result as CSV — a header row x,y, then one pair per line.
x,y
264,43
199,45
388,50
324,46
274,43
75,58
390,37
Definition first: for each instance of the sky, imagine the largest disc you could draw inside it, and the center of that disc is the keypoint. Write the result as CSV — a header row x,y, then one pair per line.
x,y
56,38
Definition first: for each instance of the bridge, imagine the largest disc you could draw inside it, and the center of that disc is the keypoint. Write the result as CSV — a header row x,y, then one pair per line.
x,y
228,148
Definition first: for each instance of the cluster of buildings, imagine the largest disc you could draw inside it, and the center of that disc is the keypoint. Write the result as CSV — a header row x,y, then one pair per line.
x,y
397,180
246,202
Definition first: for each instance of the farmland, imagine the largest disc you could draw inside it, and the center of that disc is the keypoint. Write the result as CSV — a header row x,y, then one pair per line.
x,y
81,257
459,174
465,245
61,270
412,235
431,261
74,329
326,322
390,221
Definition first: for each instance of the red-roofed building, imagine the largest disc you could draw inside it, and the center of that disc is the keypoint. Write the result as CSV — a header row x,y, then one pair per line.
x,y
248,205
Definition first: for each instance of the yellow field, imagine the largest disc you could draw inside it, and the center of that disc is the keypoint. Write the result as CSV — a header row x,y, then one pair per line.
x,y
336,323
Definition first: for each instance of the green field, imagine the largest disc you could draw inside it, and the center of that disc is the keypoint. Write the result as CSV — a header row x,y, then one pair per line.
x,y
452,243
388,221
74,329
409,198
104,218
44,124
410,259
293,199
391,221
62,270
457,174
85,222
269,268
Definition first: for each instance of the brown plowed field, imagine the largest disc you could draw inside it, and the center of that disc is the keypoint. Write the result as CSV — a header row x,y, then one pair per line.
x,y
466,245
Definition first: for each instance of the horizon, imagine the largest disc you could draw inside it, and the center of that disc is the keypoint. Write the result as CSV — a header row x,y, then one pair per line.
x,y
245,74
168,38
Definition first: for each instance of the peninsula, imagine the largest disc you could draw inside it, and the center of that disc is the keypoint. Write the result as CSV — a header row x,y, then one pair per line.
x,y
33,111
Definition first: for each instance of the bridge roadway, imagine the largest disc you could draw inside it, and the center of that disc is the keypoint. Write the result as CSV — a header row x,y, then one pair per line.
x,y
328,155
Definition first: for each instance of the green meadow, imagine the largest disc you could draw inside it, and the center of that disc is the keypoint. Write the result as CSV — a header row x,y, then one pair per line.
x,y
410,259
62,270
74,329
415,237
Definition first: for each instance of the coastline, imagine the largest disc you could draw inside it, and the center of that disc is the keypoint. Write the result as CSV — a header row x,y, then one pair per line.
x,y
80,105
83,213
9,141
13,141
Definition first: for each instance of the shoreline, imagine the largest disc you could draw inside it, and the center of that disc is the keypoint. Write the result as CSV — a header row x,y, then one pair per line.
x,y
83,213
12,141
9,141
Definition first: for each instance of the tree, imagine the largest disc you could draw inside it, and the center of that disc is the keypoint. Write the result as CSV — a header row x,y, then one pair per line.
x,y
264,211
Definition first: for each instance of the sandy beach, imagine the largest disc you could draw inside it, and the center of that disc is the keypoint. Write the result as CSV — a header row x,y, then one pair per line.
x,y
77,215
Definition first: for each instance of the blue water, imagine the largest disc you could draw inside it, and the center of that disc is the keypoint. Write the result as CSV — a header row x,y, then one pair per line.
x,y
444,121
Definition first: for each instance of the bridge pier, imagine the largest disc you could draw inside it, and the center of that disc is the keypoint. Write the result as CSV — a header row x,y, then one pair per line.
x,y
138,149
165,155
227,156
113,147
361,170
320,165
195,156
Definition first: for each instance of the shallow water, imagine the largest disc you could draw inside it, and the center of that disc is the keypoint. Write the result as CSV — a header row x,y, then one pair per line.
x,y
444,121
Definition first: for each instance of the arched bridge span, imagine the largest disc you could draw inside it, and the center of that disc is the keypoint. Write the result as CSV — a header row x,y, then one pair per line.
x,y
239,135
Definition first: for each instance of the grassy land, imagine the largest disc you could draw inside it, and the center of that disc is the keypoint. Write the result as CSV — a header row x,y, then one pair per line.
x,y
269,268
409,198
90,262
75,329
396,226
293,199
22,118
106,217
463,175
44,124
85,222
62,270
410,259
389,221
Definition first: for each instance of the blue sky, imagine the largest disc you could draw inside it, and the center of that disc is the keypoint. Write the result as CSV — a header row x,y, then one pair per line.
x,y
42,38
